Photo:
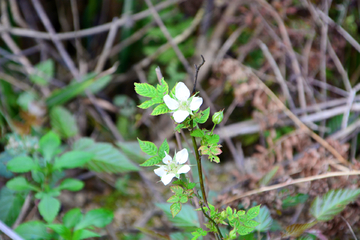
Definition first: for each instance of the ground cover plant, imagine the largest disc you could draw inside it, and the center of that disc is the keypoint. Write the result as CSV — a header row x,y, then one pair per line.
x,y
175,119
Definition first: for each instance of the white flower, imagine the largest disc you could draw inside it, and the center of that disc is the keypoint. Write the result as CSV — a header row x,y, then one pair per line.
x,y
183,104
173,167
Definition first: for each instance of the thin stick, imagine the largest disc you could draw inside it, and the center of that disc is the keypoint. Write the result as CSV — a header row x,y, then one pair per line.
x,y
350,228
288,183
197,68
9,232
166,33
298,122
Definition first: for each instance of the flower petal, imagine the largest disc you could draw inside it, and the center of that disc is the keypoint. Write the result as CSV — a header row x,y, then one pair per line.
x,y
171,103
182,156
196,103
182,93
180,115
160,171
167,159
184,169
167,178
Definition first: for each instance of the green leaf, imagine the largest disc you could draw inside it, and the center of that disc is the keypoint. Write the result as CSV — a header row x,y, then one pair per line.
x,y
49,208
49,144
145,89
148,147
264,218
184,199
72,159
163,88
72,217
63,122
253,212
148,103
44,73
96,217
177,190
33,230
71,184
160,109
251,223
106,157
164,148
84,234
292,201
268,176
332,203
204,116
175,208
61,230
67,93
20,184
133,151
243,230
214,139
151,161
98,84
295,230
197,133
10,205
191,185
173,199
21,164
186,219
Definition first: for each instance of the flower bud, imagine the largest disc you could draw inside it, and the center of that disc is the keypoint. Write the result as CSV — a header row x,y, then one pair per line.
x,y
218,117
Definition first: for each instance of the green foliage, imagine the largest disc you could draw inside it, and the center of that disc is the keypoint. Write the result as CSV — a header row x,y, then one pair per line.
x,y
96,217
49,208
71,184
21,164
63,122
33,230
199,233
332,203
186,219
218,117
20,184
72,159
49,145
209,145
295,230
264,219
181,196
44,73
10,205
292,201
151,149
156,95
105,158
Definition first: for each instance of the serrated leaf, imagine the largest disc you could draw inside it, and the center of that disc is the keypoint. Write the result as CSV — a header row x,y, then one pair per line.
x,y
160,109
204,116
106,157
184,199
186,219
145,89
21,164
10,205
251,223
243,230
173,199
163,88
49,208
147,104
148,147
214,139
177,189
253,212
295,230
151,161
197,133
264,218
191,185
164,148
268,176
72,217
332,203
63,122
179,126
175,208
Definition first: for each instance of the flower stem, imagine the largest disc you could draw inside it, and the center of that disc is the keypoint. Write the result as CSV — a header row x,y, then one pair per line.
x,y
198,161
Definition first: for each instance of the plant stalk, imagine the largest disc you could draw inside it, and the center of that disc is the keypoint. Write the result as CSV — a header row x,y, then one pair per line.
x,y
198,161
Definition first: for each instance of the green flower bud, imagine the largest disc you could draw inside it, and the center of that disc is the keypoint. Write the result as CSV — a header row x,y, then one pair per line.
x,y
218,117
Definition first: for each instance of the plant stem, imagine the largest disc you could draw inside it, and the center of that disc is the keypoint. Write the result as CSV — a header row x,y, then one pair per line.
x,y
211,220
198,161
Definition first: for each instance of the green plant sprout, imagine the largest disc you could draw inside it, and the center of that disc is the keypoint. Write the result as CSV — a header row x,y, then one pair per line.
x,y
186,114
